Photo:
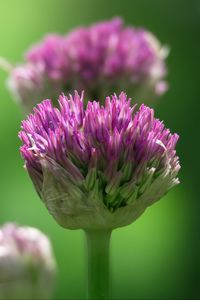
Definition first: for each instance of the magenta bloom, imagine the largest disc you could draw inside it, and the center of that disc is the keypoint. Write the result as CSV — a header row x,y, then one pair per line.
x,y
101,166
27,266
99,59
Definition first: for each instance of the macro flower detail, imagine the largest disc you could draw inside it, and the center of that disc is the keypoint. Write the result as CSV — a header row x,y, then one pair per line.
x,y
100,59
27,266
98,167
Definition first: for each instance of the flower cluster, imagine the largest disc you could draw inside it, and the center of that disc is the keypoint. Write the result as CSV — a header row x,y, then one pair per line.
x,y
27,266
98,167
99,59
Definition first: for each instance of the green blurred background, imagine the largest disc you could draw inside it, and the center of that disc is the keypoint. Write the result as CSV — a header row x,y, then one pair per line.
x,y
157,257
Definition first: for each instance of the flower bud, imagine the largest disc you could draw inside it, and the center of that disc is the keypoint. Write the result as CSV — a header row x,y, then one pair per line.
x,y
27,266
98,167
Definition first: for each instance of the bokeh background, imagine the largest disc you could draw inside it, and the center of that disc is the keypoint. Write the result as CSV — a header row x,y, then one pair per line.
x,y
157,257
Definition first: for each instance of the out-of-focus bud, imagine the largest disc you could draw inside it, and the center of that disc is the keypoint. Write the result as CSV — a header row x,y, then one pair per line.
x,y
27,265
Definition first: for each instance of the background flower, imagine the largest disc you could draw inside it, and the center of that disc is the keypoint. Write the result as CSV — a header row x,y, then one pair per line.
x,y
102,58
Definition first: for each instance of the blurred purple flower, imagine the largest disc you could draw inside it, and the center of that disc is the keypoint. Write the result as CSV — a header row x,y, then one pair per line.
x,y
100,167
27,266
99,59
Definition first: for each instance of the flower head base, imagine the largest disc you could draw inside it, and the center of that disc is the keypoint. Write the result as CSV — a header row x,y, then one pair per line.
x,y
99,59
27,267
99,167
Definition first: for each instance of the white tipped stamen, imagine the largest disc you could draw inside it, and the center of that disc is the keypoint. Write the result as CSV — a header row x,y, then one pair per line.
x,y
160,143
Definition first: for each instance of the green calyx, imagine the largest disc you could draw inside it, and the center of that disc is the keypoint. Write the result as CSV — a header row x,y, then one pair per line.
x,y
98,200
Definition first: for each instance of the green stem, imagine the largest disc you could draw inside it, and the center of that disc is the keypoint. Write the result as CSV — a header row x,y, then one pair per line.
x,y
98,242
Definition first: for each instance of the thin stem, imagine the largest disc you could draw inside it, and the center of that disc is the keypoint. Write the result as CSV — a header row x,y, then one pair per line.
x,y
98,264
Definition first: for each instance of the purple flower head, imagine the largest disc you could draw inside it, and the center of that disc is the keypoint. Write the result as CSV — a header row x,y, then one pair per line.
x,y
100,59
27,266
98,167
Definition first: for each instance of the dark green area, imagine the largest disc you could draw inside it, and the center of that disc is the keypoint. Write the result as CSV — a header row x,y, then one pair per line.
x,y
158,256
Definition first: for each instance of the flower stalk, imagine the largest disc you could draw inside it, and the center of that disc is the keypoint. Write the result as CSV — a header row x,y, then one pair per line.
x,y
98,242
